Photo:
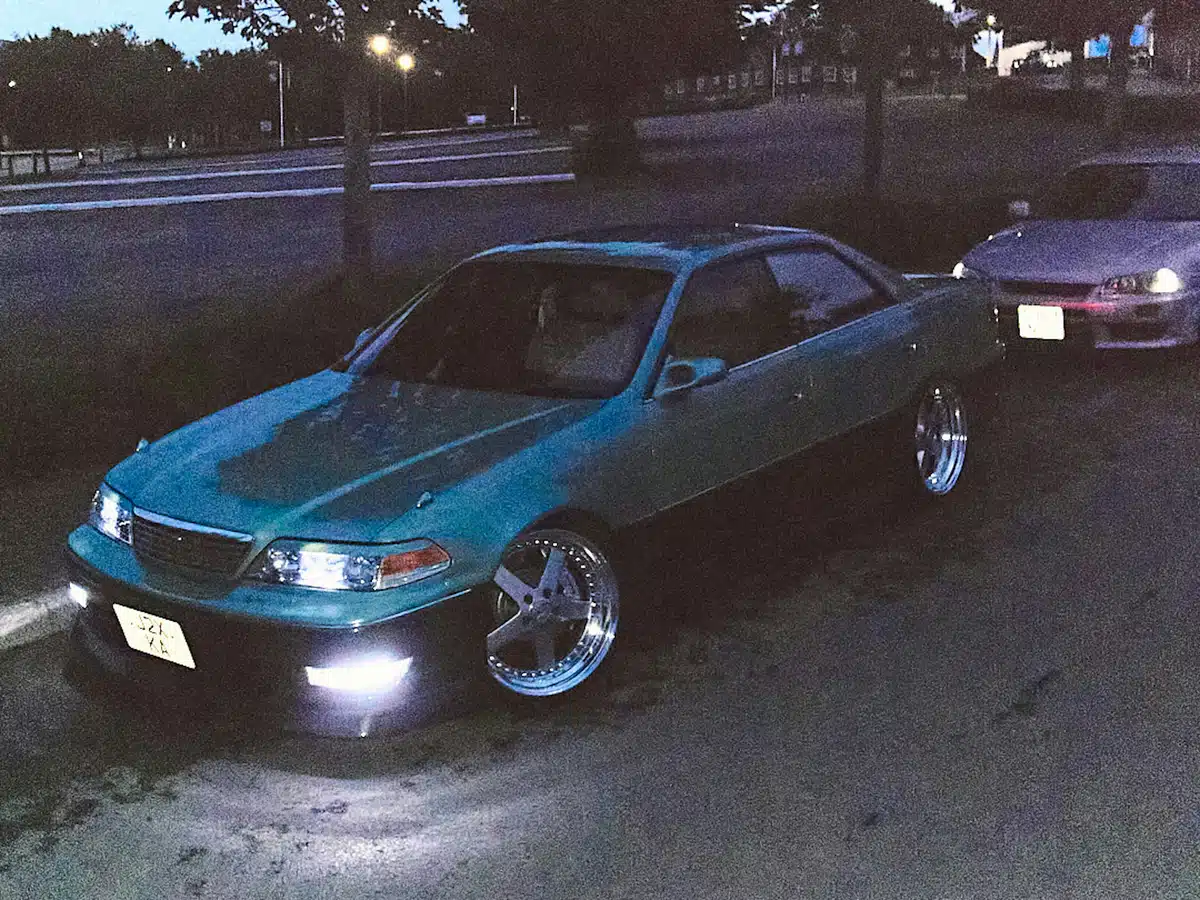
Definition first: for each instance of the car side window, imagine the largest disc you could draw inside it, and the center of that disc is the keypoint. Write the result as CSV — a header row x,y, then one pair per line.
x,y
731,311
823,291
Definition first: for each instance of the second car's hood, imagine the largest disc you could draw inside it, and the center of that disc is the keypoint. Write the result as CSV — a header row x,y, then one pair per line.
x,y
333,456
1085,252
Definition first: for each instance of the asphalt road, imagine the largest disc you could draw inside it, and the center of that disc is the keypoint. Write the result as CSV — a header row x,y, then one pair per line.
x,y
96,272
996,699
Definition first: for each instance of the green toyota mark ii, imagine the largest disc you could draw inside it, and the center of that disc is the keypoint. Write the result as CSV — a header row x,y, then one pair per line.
x,y
438,506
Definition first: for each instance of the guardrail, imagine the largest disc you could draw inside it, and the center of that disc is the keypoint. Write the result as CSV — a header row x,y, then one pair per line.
x,y
18,163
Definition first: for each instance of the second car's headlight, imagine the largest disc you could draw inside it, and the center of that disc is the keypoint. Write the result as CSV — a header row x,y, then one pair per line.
x,y
1160,281
112,515
349,567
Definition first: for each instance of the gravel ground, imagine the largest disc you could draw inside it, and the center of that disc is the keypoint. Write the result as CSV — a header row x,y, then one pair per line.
x,y
989,699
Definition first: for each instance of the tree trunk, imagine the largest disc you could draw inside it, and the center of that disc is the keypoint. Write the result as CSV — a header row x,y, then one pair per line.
x,y
1077,104
356,201
1118,81
875,72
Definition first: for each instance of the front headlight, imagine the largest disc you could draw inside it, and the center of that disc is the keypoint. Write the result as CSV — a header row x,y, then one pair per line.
x,y
962,271
112,515
348,567
1160,281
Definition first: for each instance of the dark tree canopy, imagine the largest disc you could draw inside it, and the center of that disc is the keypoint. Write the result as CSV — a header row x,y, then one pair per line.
x,y
598,56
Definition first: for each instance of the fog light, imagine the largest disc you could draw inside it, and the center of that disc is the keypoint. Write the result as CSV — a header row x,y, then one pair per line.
x,y
78,593
367,676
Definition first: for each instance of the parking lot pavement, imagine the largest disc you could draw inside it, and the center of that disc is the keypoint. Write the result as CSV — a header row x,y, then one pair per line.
x,y
989,699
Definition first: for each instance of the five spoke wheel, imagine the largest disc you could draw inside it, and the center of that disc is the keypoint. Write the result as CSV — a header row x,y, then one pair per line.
x,y
555,612
941,438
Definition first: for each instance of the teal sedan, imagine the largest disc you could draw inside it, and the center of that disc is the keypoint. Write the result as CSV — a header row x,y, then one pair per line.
x,y
439,505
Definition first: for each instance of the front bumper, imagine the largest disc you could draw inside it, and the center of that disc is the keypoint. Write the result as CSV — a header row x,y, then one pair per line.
x,y
254,669
1144,322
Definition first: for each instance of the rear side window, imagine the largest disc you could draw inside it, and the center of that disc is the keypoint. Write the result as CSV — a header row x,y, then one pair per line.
x,y
822,291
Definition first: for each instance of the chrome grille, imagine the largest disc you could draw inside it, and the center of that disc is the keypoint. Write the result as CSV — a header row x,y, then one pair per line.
x,y
160,539
1046,288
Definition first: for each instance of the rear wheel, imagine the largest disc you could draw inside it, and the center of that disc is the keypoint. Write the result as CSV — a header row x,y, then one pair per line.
x,y
939,439
555,613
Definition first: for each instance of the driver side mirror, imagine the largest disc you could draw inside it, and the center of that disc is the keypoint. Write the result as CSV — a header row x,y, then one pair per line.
x,y
1019,209
682,375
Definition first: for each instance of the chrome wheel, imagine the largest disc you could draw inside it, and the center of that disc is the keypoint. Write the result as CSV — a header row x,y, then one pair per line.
x,y
555,612
941,438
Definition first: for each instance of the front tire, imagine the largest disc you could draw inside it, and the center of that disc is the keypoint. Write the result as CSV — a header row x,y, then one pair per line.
x,y
555,610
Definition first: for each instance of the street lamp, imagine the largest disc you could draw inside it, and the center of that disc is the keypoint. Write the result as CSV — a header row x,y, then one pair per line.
x,y
405,62
12,84
380,44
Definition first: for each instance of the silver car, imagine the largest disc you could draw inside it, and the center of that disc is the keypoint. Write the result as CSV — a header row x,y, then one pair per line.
x,y
1108,258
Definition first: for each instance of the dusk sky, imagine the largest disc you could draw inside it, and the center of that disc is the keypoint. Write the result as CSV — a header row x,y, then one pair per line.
x,y
148,18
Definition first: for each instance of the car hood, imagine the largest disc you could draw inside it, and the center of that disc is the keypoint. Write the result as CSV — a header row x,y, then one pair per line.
x,y
333,456
1085,252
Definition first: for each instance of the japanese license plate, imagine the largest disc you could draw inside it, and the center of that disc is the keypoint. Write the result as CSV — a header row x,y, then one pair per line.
x,y
1041,322
155,636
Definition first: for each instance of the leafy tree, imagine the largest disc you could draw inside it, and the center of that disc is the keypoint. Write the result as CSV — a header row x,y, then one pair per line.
x,y
593,59
876,29
77,89
344,27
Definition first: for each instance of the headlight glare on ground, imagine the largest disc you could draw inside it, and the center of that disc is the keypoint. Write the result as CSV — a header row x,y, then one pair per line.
x,y
372,675
334,567
1160,281
112,515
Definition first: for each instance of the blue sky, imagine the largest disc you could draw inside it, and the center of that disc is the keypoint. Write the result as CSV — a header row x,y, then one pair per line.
x,y
148,18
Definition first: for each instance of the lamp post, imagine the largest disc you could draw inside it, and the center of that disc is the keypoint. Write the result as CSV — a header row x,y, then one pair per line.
x,y
405,63
381,46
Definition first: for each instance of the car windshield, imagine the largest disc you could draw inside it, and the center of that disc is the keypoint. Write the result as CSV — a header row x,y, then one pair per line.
x,y
1155,192
524,327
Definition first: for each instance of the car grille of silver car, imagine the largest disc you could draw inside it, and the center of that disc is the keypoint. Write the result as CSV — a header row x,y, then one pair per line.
x,y
157,539
1046,288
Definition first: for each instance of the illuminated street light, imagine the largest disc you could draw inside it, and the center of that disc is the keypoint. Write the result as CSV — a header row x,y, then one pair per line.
x,y
12,84
405,62
380,44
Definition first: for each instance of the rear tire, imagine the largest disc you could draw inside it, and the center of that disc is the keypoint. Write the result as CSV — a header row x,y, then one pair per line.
x,y
937,443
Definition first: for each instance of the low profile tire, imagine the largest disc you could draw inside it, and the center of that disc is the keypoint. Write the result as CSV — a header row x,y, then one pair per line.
x,y
938,442
555,606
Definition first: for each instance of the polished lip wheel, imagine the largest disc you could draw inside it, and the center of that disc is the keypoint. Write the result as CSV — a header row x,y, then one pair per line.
x,y
941,439
556,613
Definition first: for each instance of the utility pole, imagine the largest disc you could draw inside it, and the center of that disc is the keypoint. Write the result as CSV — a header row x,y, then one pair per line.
x,y
281,131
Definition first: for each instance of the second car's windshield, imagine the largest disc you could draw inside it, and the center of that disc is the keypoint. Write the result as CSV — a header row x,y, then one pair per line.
x,y
1158,192
524,327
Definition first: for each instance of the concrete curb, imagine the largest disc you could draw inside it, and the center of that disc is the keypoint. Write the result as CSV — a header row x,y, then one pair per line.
x,y
34,618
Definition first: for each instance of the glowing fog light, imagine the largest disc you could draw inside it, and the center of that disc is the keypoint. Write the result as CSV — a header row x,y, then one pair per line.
x,y
367,676
78,593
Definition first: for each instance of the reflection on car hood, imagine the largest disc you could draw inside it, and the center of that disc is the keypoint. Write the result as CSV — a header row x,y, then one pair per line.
x,y
1085,252
333,456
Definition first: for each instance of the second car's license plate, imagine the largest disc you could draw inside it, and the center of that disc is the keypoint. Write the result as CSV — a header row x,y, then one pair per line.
x,y
1041,322
154,635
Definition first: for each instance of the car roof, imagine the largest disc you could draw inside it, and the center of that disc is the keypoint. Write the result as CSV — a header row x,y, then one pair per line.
x,y
667,247
1148,156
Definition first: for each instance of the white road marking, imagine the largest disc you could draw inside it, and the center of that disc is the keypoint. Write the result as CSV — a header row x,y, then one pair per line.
x,y
281,170
131,202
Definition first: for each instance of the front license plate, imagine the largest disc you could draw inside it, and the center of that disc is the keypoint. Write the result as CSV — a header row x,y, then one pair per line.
x,y
155,636
1044,323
